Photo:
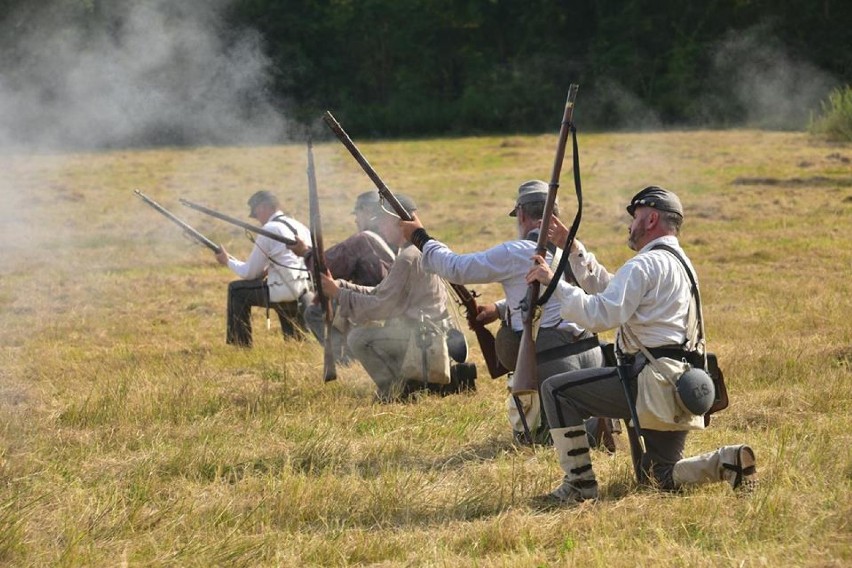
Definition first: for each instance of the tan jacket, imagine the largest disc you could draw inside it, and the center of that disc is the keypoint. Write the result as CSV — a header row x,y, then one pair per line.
x,y
405,291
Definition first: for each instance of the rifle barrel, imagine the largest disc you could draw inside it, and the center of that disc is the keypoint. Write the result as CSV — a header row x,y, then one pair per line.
x,y
319,267
526,371
237,222
179,222
384,191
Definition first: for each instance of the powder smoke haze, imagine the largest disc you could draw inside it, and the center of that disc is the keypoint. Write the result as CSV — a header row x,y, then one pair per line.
x,y
159,72
78,74
754,82
776,89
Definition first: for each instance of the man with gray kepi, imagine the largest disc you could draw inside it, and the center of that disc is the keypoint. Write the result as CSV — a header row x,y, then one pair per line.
x,y
407,295
272,276
560,345
656,308
363,259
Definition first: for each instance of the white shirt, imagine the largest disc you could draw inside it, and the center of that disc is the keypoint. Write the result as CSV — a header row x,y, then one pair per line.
x,y
651,294
287,274
506,263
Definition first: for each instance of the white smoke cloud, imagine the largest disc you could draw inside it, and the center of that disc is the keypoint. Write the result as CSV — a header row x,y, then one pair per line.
x,y
615,105
159,72
777,89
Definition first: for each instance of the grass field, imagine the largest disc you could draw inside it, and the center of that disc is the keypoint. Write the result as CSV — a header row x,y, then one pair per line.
x,y
130,434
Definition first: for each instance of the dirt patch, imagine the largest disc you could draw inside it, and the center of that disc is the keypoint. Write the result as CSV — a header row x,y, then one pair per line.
x,y
794,182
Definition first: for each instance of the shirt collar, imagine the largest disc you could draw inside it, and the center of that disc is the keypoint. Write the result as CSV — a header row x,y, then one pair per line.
x,y
670,240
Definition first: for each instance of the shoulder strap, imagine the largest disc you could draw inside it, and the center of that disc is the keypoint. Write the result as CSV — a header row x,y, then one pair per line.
x,y
377,239
694,290
282,220
672,250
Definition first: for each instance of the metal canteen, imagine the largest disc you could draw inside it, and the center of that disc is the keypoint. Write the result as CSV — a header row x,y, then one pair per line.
x,y
456,345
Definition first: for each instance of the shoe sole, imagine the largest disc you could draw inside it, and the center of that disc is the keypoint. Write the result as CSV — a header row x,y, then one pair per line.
x,y
746,479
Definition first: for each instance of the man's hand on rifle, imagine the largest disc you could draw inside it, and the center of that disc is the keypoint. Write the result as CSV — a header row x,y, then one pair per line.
x,y
557,233
299,248
408,227
540,271
487,313
222,256
329,286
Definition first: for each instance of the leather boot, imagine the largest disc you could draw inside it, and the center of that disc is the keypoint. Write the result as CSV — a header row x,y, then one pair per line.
x,y
579,483
734,464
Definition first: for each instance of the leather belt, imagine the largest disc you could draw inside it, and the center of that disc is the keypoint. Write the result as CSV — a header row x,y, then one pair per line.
x,y
691,357
567,350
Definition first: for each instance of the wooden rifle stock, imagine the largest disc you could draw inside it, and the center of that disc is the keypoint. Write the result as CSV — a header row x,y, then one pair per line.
x,y
183,225
525,379
318,268
237,222
484,337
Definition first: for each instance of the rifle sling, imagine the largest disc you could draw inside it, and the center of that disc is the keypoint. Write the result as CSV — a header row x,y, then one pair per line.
x,y
283,221
563,266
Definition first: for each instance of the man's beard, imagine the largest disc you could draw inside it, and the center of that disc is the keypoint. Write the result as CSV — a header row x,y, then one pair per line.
x,y
634,236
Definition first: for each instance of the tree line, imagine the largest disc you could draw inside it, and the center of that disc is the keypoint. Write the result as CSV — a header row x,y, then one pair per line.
x,y
451,67
408,67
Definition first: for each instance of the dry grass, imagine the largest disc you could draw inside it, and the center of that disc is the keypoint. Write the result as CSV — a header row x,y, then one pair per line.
x,y
130,434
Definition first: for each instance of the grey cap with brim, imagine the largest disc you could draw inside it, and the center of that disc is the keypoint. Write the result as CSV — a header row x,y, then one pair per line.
x,y
259,197
367,200
533,191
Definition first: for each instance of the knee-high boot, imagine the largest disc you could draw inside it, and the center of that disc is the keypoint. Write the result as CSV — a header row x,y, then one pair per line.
x,y
579,483
734,464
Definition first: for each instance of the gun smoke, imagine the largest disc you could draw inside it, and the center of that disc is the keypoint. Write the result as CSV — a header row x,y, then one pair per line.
x,y
753,80
775,89
159,73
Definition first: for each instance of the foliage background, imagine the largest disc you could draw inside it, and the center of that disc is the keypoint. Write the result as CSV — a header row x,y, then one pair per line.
x,y
405,68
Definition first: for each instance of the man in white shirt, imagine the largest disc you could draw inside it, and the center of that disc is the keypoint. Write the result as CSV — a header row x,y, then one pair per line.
x,y
272,277
650,300
561,345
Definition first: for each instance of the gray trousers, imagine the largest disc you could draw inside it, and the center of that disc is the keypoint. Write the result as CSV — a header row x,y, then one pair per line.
x,y
569,398
574,356
381,350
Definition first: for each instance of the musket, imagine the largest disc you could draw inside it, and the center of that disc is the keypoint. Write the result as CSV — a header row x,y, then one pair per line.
x,y
467,299
238,223
526,371
182,224
482,334
318,267
384,191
